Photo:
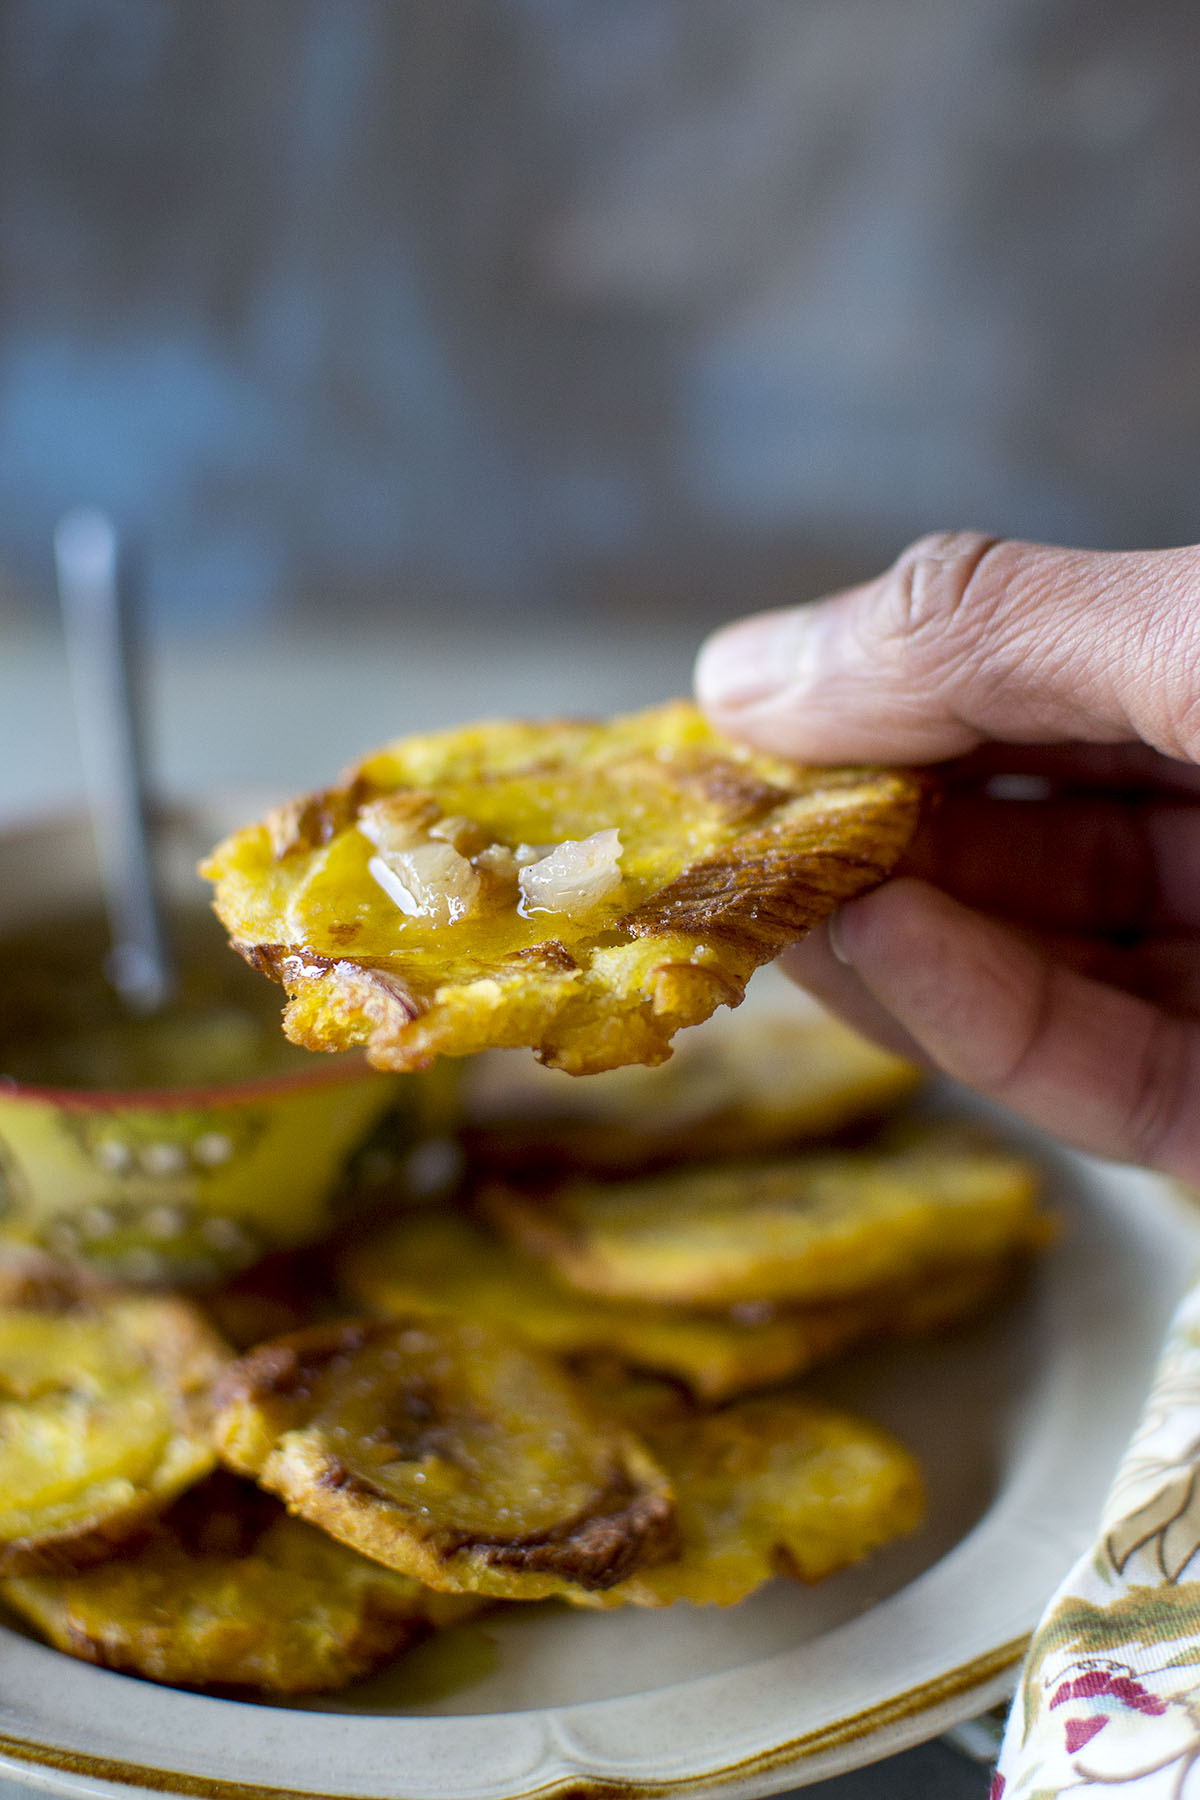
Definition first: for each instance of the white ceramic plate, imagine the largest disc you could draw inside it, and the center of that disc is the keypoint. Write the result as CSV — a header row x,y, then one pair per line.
x,y
1019,1423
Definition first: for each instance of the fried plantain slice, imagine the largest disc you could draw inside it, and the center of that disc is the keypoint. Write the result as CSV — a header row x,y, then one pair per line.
x,y
229,1591
104,1411
777,1072
817,1227
440,1258
585,888
777,1484
450,1451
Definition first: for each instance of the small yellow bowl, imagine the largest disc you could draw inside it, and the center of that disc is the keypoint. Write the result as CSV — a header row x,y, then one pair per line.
x,y
171,1183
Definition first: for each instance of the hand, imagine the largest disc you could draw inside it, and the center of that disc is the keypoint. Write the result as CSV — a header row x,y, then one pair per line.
x,y
1042,942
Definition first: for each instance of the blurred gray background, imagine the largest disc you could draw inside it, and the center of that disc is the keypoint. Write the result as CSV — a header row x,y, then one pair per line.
x,y
546,310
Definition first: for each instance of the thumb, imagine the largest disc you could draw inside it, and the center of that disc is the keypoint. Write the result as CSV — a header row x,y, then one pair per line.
x,y
964,639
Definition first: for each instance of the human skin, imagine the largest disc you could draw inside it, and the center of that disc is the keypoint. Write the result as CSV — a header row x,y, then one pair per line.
x,y
1042,940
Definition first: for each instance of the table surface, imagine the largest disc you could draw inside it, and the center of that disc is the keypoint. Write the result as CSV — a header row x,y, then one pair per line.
x,y
933,1772
288,715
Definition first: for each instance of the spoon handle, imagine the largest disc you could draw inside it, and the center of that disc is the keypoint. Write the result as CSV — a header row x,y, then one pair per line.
x,y
98,635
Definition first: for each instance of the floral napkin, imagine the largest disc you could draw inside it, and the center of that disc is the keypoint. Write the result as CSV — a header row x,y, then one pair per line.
x,y
1109,1698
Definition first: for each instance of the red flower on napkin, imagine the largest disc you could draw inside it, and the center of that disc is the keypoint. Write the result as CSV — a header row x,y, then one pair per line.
x,y
1094,1682
1081,1731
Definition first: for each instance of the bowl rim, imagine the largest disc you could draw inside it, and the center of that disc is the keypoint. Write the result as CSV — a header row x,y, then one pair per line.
x,y
350,1066
187,1099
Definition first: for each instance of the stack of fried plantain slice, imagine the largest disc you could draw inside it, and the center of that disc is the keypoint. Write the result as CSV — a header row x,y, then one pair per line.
x,y
445,1259
594,1403
104,1412
489,1437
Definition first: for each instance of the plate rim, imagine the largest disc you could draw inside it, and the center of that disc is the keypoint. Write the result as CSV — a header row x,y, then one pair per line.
x,y
981,1673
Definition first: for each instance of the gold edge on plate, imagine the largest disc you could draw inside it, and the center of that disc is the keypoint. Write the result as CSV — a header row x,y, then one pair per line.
x,y
894,1711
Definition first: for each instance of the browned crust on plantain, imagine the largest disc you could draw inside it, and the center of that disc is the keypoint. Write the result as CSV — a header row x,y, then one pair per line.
x,y
284,1367
738,796
383,1003
269,959
383,998
628,1523
627,1529
754,892
314,819
551,955
71,1550
623,1530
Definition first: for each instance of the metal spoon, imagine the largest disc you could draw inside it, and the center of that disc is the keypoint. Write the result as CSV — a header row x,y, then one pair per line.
x,y
93,590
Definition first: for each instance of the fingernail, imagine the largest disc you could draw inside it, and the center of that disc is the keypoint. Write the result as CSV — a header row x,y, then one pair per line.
x,y
837,942
748,663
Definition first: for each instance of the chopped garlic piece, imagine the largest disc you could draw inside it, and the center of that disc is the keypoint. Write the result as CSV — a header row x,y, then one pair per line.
x,y
393,887
580,874
430,881
443,868
436,867
397,822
